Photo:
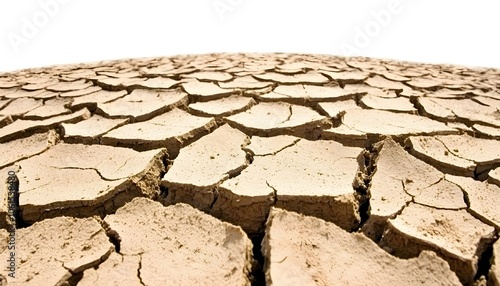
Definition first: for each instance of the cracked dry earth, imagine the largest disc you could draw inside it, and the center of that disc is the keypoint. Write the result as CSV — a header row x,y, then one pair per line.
x,y
263,169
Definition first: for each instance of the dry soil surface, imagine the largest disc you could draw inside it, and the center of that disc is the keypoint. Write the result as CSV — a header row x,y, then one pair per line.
x,y
250,169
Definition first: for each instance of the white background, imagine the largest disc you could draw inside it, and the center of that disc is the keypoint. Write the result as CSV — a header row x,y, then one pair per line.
x,y
47,32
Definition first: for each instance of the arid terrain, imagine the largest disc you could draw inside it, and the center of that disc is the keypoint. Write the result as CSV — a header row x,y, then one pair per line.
x,y
239,169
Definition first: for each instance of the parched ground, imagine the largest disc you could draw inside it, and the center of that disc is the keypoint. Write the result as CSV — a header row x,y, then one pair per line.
x,y
239,169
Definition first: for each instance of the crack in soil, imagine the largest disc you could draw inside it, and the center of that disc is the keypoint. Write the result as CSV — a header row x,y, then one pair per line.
x,y
139,270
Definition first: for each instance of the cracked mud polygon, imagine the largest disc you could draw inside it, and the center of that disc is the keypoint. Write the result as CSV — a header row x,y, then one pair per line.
x,y
251,169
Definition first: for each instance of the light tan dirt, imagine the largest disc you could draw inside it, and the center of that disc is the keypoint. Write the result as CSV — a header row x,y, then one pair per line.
x,y
50,252
105,175
361,143
175,245
196,173
454,235
324,190
302,250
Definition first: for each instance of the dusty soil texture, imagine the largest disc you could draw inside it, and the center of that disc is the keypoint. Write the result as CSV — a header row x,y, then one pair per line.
x,y
250,169
304,250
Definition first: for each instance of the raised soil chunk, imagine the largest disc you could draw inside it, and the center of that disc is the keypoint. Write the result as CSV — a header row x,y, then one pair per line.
x,y
304,92
15,150
209,76
461,109
347,76
69,86
222,107
334,109
457,154
80,92
119,83
158,82
20,106
311,177
494,176
171,130
455,235
400,178
20,127
143,104
481,197
204,164
399,104
51,107
89,130
117,270
489,131
373,91
101,96
204,91
309,77
393,124
269,119
187,247
302,250
50,252
245,82
381,82
424,83
101,178
494,275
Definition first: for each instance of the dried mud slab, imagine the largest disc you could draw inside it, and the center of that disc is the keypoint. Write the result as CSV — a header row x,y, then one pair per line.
x,y
461,109
209,76
399,104
80,92
143,104
21,127
69,86
487,130
53,251
172,130
271,119
222,107
311,177
381,82
301,93
494,176
158,82
347,76
91,100
101,178
457,154
204,91
201,166
400,178
302,250
334,109
245,82
309,77
50,108
90,130
480,196
20,106
379,122
15,150
454,235
194,248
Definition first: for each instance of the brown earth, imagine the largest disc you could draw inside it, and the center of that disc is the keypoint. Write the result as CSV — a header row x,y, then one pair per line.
x,y
239,169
